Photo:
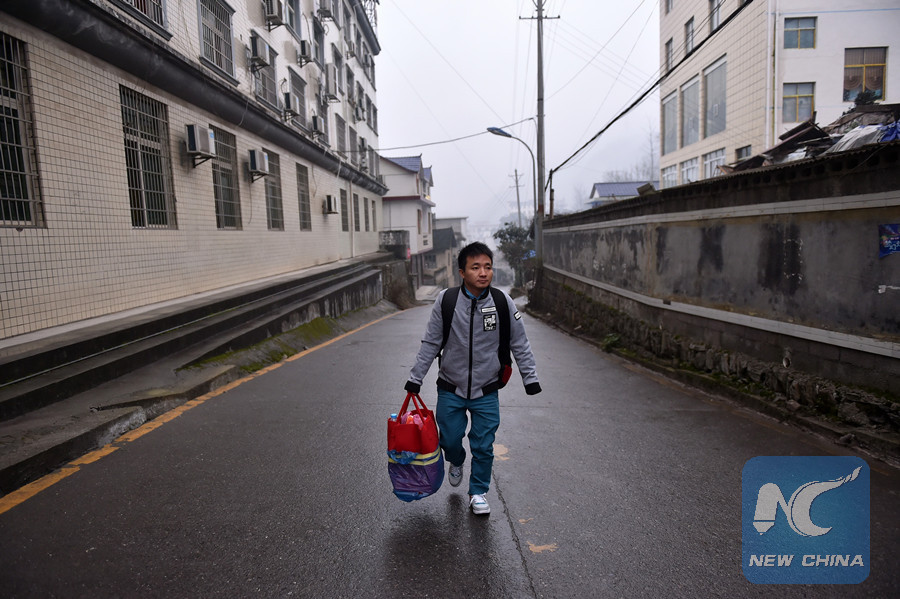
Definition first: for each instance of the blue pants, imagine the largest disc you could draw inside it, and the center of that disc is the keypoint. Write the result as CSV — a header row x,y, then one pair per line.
x,y
452,420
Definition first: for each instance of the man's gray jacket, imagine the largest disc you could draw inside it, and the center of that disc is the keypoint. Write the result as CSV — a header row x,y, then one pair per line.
x,y
470,365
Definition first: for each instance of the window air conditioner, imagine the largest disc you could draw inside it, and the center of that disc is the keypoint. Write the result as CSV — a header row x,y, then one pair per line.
x,y
259,52
274,12
315,123
201,141
329,206
304,53
291,105
259,162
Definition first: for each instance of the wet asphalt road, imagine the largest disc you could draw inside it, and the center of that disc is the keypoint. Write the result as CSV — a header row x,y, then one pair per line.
x,y
613,482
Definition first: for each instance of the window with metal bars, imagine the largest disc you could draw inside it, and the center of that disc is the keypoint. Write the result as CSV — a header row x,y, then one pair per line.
x,y
303,198
226,187
265,81
374,222
345,211
20,202
356,212
152,9
145,124
340,134
366,210
215,18
298,88
274,210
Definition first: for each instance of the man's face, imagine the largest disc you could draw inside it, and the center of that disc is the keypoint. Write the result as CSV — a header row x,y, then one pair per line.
x,y
478,274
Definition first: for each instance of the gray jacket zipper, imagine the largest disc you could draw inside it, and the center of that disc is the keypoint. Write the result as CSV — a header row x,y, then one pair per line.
x,y
471,342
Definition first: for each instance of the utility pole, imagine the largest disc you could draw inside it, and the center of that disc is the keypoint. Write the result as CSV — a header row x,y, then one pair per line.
x,y
518,203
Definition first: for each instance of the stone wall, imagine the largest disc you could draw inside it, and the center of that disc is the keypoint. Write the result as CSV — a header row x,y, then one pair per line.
x,y
769,280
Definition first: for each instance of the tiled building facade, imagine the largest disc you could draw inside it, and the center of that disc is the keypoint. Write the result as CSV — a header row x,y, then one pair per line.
x,y
104,205
738,74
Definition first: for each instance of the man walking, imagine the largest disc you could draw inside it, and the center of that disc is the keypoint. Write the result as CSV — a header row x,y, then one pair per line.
x,y
473,367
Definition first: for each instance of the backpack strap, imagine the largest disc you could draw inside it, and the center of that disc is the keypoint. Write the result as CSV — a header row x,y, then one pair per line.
x,y
503,314
448,304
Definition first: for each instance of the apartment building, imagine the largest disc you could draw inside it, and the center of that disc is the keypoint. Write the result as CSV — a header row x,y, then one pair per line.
x,y
740,73
155,149
408,209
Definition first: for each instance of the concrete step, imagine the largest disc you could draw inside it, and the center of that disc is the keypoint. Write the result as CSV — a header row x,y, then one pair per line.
x,y
263,312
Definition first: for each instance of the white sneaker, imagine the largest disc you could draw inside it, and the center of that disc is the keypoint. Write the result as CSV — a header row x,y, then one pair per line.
x,y
479,504
455,475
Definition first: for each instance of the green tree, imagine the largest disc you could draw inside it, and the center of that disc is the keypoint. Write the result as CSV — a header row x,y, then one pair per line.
x,y
517,245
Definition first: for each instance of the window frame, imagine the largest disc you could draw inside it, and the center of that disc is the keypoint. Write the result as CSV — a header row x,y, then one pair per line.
x,y
274,204
865,66
345,211
225,39
711,160
148,160
797,97
715,14
665,147
225,170
711,111
304,201
798,32
21,203
685,118
689,36
689,165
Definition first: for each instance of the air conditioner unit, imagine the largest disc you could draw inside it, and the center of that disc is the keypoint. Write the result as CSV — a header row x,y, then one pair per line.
x,y
274,12
201,141
291,105
259,163
259,52
351,49
329,206
316,125
324,13
304,53
331,76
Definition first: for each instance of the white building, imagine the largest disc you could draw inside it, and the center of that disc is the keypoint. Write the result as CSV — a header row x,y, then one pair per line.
x,y
158,149
408,207
729,93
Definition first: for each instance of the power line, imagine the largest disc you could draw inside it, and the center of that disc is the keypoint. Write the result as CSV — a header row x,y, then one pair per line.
x,y
447,141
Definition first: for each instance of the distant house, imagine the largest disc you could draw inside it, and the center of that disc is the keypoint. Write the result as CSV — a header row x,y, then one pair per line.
x,y
605,193
407,210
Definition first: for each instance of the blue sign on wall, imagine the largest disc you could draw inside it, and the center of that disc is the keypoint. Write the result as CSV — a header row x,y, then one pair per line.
x,y
805,520
888,239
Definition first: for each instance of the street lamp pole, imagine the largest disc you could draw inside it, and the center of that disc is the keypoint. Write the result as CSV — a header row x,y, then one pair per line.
x,y
502,133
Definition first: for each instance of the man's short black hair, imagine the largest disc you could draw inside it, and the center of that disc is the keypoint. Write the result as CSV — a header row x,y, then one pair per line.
x,y
474,249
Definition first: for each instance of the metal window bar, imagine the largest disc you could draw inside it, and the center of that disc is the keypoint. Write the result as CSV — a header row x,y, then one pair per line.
x,y
345,209
216,25
153,9
20,202
298,88
356,212
265,82
226,188
303,198
149,166
274,210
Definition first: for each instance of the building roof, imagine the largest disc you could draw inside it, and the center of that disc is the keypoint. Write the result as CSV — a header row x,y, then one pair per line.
x,y
411,163
621,189
444,239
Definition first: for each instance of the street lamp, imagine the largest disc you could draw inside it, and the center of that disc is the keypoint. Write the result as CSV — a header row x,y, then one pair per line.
x,y
502,133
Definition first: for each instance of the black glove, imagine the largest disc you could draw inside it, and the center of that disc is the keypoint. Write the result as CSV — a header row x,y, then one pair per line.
x,y
414,387
532,388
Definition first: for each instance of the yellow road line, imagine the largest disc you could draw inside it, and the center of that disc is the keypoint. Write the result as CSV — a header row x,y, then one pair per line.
x,y
11,500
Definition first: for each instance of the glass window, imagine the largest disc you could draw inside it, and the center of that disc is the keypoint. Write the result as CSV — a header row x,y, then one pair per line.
x,y
689,36
864,72
800,33
670,176
303,198
797,102
298,88
20,203
274,209
264,76
711,163
215,17
374,223
743,152
152,9
715,14
345,211
714,83
318,43
226,188
670,124
292,15
356,212
690,113
690,171
145,123
366,206
669,4
340,134
669,55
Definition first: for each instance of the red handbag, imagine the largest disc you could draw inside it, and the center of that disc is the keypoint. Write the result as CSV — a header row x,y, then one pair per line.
x,y
409,437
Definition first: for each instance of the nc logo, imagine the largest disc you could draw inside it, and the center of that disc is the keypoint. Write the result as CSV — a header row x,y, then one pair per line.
x,y
769,499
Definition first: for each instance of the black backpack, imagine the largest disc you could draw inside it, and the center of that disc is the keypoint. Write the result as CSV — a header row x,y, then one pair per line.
x,y
448,305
